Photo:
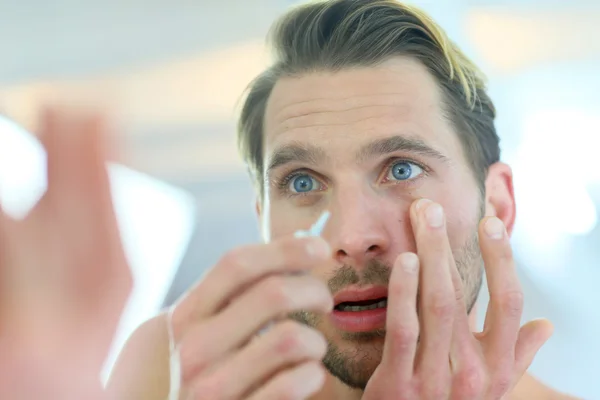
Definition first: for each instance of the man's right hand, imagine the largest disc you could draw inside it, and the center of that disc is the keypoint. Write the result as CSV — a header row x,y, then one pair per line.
x,y
215,325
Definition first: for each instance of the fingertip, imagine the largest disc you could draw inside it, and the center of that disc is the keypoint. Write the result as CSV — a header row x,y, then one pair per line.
x,y
532,336
313,376
493,228
536,333
429,212
418,205
545,327
404,279
421,203
317,247
409,262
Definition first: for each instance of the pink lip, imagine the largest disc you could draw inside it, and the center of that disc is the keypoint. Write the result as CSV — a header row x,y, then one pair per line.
x,y
360,294
360,321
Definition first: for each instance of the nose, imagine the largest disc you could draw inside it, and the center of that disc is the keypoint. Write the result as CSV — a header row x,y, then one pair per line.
x,y
358,229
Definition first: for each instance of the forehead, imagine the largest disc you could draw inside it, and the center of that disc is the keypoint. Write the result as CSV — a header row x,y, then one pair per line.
x,y
353,106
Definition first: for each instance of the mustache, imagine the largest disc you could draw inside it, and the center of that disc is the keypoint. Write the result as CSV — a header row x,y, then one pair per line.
x,y
374,273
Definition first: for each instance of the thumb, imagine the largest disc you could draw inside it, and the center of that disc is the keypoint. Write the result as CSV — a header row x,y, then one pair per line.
x,y
532,336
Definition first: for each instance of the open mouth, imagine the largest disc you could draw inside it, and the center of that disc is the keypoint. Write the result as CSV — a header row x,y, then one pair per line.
x,y
365,305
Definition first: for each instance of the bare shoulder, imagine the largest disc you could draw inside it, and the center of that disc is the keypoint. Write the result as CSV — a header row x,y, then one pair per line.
x,y
531,388
142,368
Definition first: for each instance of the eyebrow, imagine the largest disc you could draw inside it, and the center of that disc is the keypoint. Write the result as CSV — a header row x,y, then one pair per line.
x,y
296,152
310,154
399,143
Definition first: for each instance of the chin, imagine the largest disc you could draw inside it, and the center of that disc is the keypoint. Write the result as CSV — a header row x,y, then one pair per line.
x,y
353,357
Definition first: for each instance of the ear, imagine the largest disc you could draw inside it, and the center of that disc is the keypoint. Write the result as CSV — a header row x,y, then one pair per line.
x,y
499,195
258,208
473,318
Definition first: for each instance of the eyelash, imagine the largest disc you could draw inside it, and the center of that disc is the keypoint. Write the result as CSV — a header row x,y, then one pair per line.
x,y
284,183
393,161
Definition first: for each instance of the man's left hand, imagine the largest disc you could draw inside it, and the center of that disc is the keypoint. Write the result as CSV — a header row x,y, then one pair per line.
x,y
432,353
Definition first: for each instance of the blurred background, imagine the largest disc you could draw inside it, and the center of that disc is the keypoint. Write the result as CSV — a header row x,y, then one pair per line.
x,y
172,74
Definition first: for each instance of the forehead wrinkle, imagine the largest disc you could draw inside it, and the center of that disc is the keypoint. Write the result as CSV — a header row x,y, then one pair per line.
x,y
350,102
305,122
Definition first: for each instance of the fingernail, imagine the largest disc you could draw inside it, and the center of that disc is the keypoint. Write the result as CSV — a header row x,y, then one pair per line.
x,y
318,248
434,215
494,228
409,262
421,203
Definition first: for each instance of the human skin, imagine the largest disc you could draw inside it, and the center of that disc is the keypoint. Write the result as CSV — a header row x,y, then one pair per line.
x,y
338,134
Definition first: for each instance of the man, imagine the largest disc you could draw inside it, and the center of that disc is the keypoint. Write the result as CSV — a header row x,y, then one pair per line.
x,y
371,113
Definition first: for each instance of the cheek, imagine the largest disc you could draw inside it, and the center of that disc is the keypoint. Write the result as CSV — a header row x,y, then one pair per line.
x,y
402,230
462,207
283,219
462,220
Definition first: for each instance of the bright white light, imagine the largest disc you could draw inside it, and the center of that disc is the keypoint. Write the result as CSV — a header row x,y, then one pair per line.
x,y
554,166
22,169
156,221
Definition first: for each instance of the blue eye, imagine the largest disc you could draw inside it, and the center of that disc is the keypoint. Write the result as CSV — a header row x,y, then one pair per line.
x,y
302,184
403,170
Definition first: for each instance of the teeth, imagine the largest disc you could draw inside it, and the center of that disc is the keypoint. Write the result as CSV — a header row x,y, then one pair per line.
x,y
381,304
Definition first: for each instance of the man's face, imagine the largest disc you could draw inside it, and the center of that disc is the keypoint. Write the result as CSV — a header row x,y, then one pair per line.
x,y
364,144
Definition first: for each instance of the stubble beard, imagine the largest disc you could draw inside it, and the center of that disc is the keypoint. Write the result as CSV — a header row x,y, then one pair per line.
x,y
355,363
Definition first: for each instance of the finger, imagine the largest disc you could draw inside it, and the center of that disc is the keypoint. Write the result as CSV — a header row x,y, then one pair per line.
x,y
18,294
532,336
239,268
9,232
76,153
22,275
437,299
79,197
235,325
298,383
402,325
505,307
286,345
76,216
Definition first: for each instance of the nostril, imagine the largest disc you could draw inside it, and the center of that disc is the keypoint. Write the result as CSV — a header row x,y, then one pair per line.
x,y
342,253
372,248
